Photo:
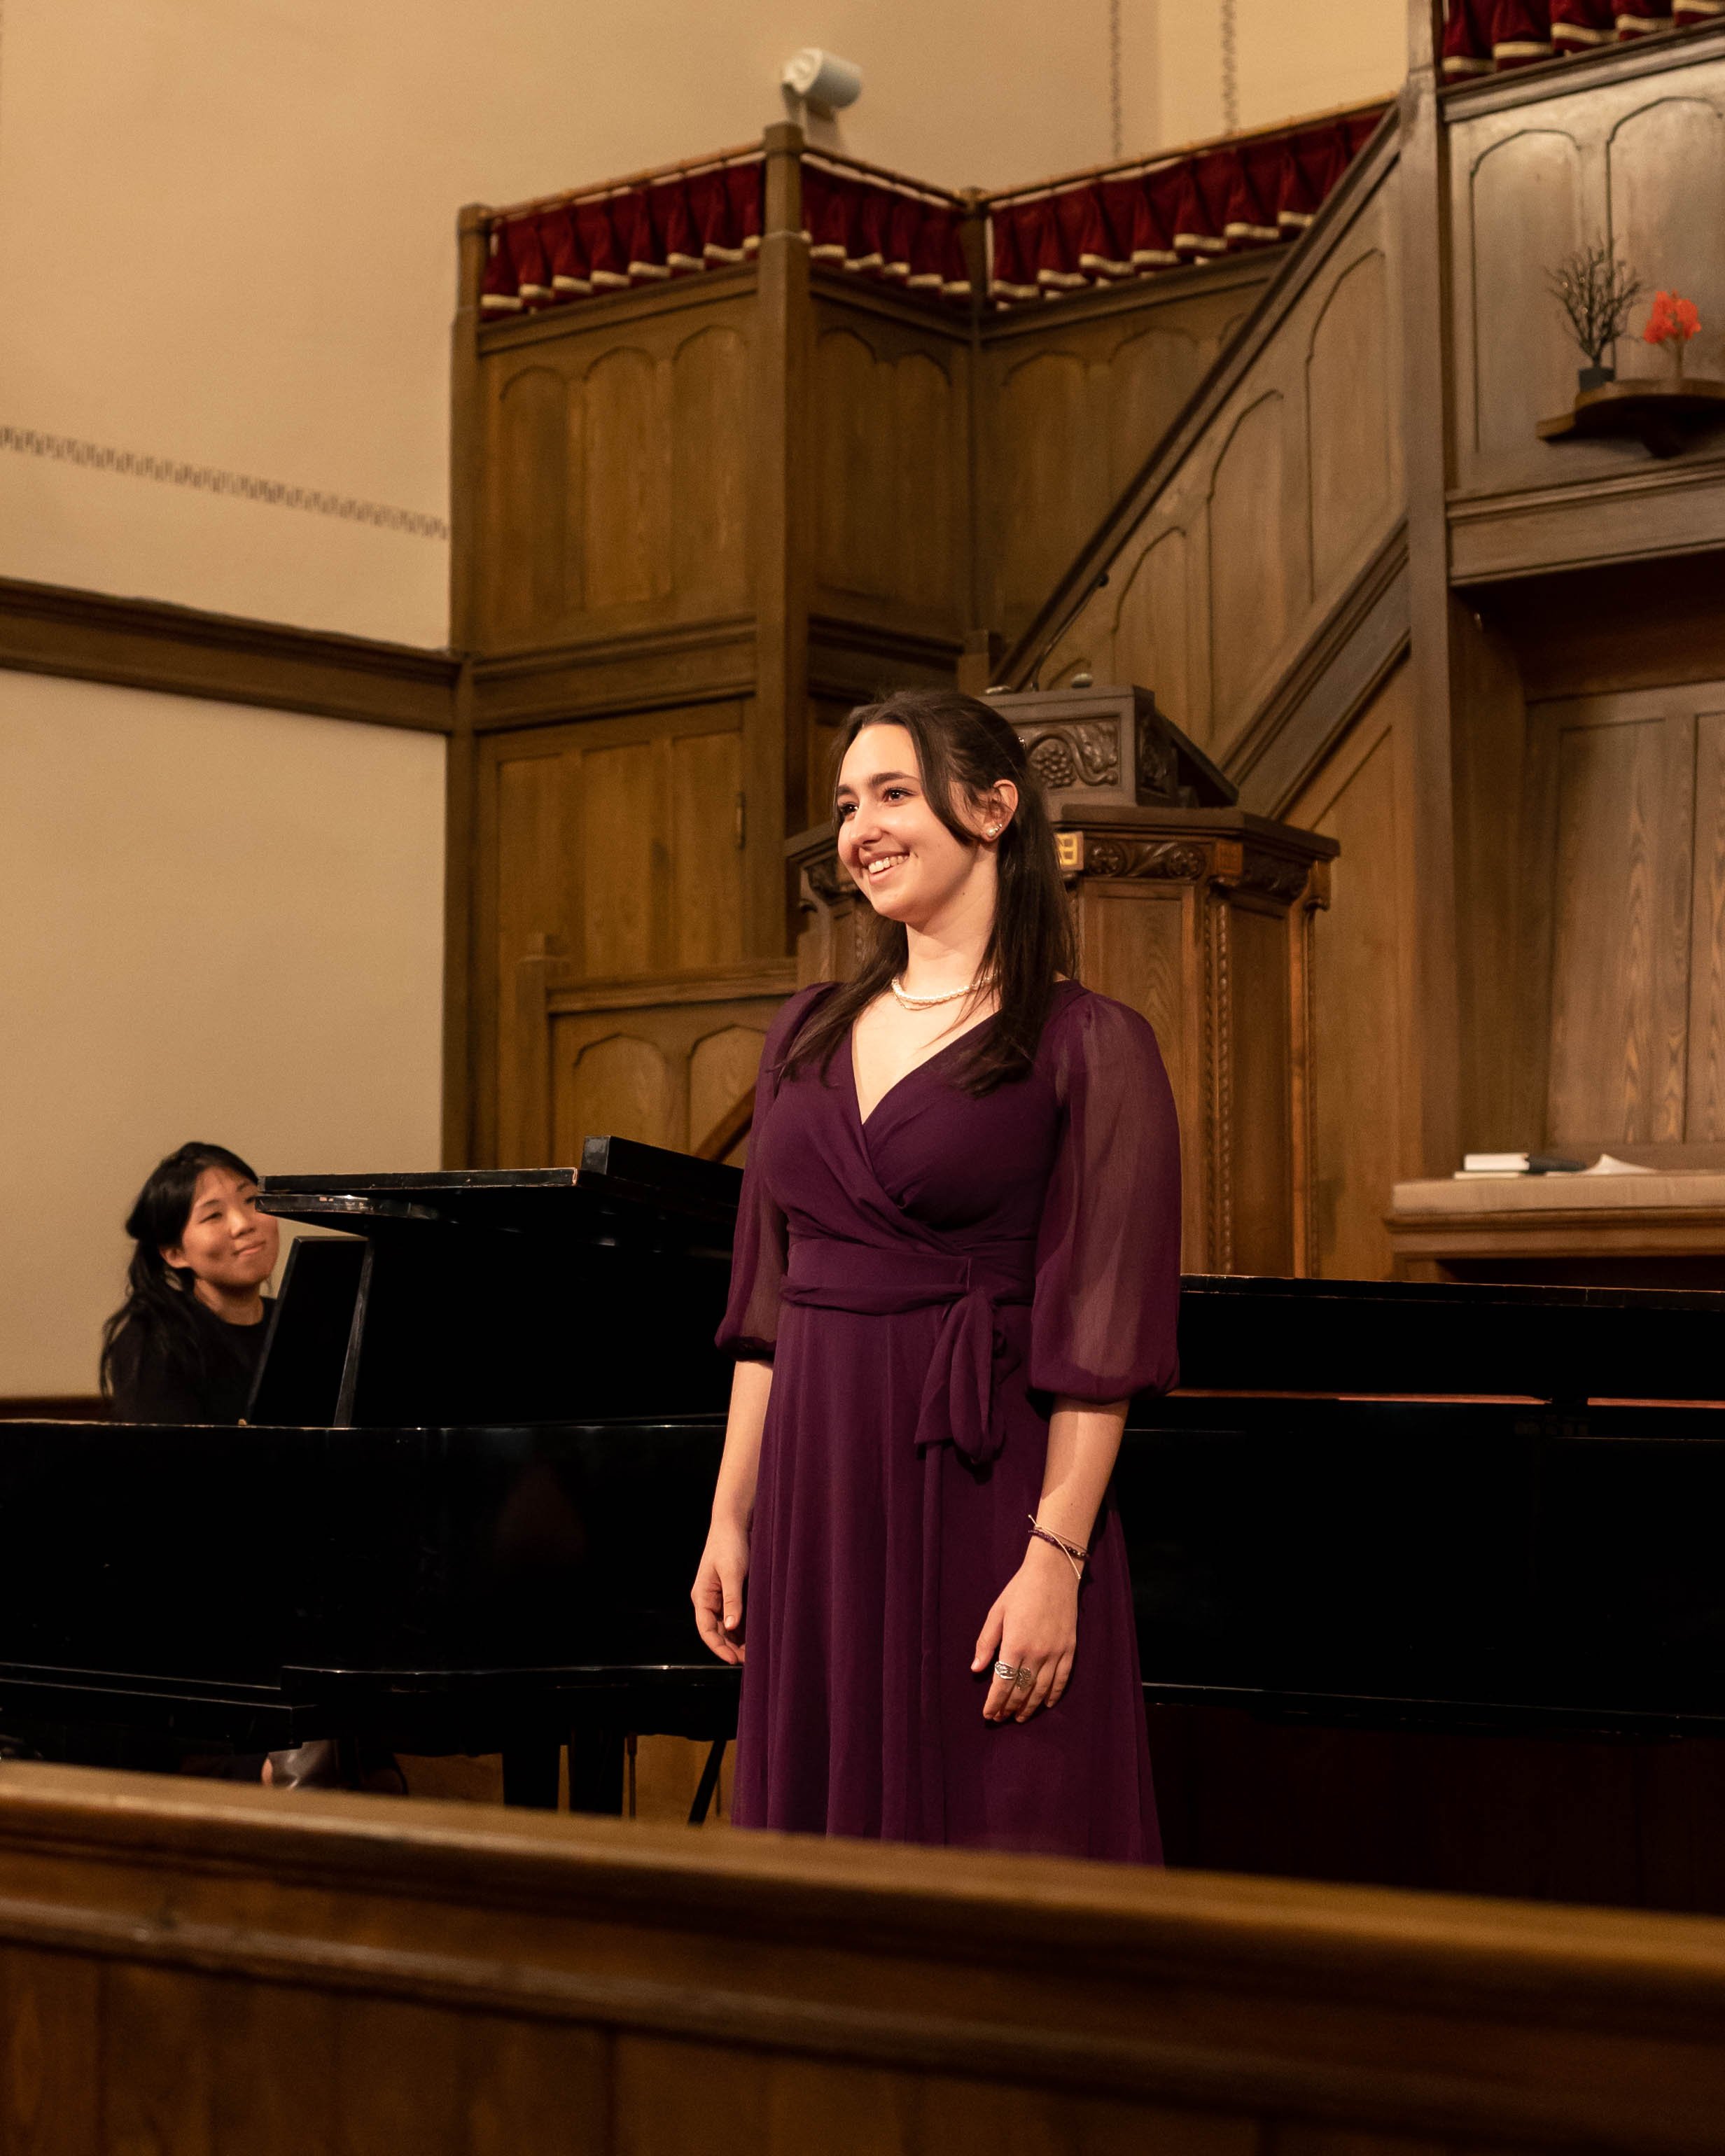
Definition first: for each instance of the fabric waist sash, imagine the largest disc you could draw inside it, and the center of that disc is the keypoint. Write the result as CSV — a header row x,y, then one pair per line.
x,y
972,1354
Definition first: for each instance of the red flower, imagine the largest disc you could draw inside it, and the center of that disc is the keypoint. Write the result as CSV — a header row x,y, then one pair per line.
x,y
1672,321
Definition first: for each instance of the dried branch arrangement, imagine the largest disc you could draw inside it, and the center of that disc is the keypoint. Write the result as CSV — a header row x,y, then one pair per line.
x,y
1596,291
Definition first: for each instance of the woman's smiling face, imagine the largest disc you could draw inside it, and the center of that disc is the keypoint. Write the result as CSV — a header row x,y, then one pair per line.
x,y
226,1241
890,840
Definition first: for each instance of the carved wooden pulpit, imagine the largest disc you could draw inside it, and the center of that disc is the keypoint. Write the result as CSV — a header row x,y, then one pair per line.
x,y
1191,910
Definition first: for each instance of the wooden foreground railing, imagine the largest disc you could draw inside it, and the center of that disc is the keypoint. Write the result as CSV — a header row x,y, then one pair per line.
x,y
211,1969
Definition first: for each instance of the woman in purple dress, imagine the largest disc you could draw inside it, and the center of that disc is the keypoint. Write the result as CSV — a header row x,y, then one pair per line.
x,y
956,1258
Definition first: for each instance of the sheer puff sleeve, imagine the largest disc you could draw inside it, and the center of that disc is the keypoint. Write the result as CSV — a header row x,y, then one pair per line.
x,y
757,1251
1108,1253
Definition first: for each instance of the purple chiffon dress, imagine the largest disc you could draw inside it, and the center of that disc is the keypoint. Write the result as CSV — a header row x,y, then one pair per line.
x,y
923,1283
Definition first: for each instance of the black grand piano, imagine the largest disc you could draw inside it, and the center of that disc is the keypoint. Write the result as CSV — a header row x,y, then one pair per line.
x,y
1402,1553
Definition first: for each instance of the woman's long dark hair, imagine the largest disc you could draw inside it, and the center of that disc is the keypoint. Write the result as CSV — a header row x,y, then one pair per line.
x,y
963,748
159,1296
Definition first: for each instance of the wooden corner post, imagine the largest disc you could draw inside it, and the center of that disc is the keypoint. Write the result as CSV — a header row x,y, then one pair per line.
x,y
1433,1114
459,777
776,730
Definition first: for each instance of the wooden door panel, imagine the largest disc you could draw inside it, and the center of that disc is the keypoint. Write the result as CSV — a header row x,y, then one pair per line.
x,y
625,859
1704,1122
705,788
1619,960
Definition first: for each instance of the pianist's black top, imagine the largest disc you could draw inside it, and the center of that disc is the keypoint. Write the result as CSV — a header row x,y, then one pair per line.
x,y
149,1388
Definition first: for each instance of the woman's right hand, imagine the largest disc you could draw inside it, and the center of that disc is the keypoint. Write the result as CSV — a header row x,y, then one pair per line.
x,y
717,1592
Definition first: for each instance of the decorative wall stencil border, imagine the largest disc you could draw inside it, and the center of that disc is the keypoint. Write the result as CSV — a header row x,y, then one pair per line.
x,y
209,478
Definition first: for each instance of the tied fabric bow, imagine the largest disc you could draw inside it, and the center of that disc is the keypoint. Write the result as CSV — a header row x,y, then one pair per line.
x,y
972,1353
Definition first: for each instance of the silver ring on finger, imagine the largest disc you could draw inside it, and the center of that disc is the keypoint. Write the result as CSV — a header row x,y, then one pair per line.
x,y
1023,1680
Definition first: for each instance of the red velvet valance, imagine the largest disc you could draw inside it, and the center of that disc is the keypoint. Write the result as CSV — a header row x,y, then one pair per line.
x,y
871,229
639,235
1193,208
1482,36
1124,224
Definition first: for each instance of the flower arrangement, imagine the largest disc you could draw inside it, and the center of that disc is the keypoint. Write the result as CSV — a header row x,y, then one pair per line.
x,y
1673,321
1596,291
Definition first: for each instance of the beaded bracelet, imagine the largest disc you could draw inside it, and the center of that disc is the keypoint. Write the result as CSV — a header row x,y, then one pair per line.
x,y
1076,1554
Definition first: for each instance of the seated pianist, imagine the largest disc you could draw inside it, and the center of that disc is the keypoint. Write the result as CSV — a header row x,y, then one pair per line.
x,y
185,1345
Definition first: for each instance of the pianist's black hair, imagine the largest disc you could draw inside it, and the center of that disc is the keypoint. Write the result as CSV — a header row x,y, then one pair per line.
x,y
963,748
158,1297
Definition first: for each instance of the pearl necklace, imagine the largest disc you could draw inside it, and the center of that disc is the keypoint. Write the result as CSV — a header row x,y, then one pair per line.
x,y
928,1003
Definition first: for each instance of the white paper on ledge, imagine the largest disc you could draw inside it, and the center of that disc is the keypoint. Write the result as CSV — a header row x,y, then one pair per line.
x,y
1606,1165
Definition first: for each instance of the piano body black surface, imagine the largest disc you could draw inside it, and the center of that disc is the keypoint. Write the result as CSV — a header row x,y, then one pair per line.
x,y
465,1512
468,1509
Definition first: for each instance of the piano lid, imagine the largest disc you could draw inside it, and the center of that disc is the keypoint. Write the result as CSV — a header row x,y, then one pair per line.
x,y
495,1296
621,1187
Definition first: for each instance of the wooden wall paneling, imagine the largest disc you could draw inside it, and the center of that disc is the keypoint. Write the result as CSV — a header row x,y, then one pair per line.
x,y
50,2054
722,1066
616,1084
1266,563
523,895
614,483
1361,966
1350,433
626,1065
626,479
525,1073
625,859
1537,928
461,1033
1704,1113
468,537
1666,178
1253,1111
853,481
1622,905
712,423
1266,357
1255,574
1432,1069
1627,625
611,851
1152,626
1072,404
1527,208
888,416
1489,764
1050,487
1137,943
708,826
775,780
1355,644
531,590
1636,152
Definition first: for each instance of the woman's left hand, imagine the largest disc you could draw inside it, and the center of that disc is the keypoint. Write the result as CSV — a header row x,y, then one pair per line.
x,y
1033,1625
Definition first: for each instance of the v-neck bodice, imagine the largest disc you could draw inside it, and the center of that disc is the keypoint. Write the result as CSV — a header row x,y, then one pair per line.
x,y
934,1056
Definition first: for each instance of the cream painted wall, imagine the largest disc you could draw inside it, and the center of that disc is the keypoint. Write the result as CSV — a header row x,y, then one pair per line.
x,y
226,232
1287,61
214,923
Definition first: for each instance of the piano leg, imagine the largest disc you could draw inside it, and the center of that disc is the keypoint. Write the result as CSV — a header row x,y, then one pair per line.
x,y
595,1771
530,1775
709,1787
